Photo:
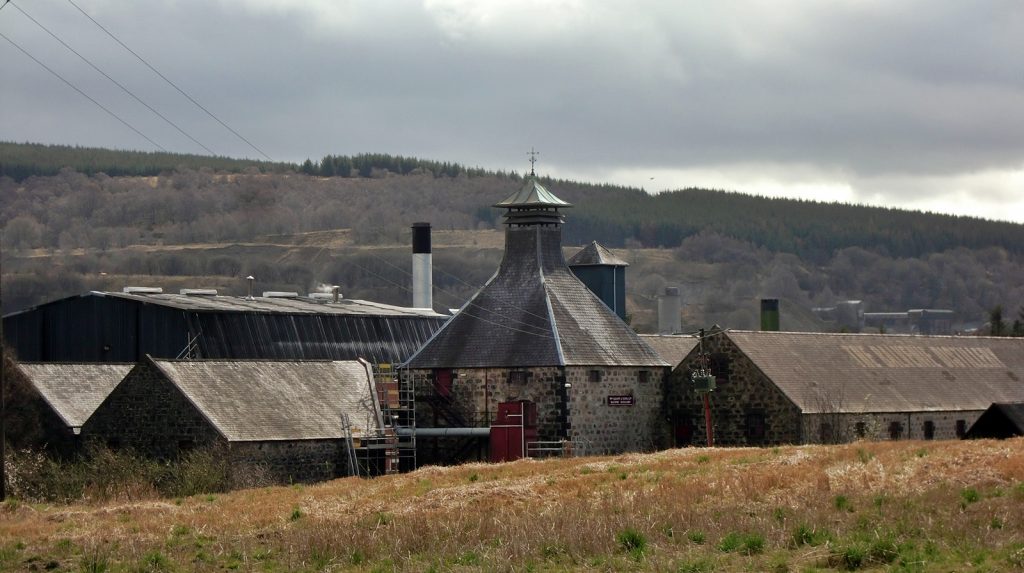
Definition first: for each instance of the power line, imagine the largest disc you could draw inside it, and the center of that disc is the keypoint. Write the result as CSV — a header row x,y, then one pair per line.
x,y
478,288
85,95
464,311
172,84
481,295
112,80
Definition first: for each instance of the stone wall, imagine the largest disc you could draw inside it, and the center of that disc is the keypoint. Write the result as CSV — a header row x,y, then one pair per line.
x,y
581,412
290,461
599,426
838,428
746,408
148,414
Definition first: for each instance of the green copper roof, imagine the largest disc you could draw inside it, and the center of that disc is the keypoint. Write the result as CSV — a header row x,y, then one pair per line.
x,y
532,194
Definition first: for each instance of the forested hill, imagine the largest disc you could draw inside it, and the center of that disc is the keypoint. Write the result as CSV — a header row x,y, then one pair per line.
x,y
812,230
375,194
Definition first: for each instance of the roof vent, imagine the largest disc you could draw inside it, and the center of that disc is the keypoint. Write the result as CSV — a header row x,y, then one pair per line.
x,y
198,291
323,296
142,290
279,294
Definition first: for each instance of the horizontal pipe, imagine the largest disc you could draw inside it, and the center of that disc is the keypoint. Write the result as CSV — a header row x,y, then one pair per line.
x,y
442,432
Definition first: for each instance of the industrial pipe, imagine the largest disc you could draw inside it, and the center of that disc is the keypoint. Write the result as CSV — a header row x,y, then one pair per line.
x,y
444,432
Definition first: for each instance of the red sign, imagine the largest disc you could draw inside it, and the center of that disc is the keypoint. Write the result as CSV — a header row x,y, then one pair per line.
x,y
620,401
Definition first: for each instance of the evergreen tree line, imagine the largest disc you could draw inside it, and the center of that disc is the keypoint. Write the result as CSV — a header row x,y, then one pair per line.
x,y
615,216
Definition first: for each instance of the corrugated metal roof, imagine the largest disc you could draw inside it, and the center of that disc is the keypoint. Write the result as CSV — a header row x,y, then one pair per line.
x,y
534,312
595,254
297,305
119,327
277,400
888,373
532,194
672,348
74,390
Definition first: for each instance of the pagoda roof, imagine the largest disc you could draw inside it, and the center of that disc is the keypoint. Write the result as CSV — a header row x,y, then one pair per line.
x,y
532,194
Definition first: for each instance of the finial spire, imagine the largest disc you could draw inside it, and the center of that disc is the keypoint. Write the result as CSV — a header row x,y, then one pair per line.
x,y
533,159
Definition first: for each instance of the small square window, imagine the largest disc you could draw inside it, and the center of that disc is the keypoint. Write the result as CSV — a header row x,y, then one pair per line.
x,y
644,376
895,431
594,375
518,377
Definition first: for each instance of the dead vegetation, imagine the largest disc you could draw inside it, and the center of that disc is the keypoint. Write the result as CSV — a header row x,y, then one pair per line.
x,y
911,506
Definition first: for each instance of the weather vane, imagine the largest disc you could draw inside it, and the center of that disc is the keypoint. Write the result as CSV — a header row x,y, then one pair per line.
x,y
533,159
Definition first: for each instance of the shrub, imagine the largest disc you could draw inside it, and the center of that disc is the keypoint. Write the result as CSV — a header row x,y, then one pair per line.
x,y
842,503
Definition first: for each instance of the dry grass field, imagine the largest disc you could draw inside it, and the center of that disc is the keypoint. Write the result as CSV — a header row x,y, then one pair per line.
x,y
906,506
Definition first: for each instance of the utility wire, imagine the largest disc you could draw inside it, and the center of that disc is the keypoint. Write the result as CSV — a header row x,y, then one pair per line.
x,y
85,95
403,287
112,80
172,84
477,288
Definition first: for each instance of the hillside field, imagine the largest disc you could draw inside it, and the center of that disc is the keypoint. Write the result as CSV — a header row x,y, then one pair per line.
x,y
904,506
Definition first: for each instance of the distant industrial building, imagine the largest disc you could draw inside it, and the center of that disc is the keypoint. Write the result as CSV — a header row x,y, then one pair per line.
x,y
535,339
127,326
795,387
850,316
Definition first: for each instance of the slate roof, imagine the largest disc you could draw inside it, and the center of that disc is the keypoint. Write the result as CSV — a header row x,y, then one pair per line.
x,y
672,348
534,312
258,400
595,254
887,373
74,390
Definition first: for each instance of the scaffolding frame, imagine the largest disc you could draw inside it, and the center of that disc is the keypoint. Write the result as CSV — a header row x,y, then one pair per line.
x,y
397,396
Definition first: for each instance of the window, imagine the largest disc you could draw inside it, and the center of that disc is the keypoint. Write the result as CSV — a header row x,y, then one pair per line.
x,y
862,429
443,382
929,430
519,377
961,428
644,376
755,426
720,367
594,375
895,431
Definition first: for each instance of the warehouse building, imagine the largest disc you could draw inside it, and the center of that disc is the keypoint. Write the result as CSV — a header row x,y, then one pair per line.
x,y
127,326
794,387
284,420
46,404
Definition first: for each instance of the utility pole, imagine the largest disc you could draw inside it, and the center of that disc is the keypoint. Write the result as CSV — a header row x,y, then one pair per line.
x,y
704,385
3,387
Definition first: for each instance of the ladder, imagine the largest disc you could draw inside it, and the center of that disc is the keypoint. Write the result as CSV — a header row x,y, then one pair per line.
x,y
350,448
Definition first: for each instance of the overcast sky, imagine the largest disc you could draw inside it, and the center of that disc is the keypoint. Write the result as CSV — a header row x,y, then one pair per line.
x,y
916,104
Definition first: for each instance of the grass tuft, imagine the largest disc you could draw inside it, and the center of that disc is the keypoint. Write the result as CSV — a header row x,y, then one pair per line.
x,y
632,541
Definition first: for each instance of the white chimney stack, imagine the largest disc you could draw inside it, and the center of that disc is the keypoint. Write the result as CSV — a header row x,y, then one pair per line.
x,y
422,267
670,311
